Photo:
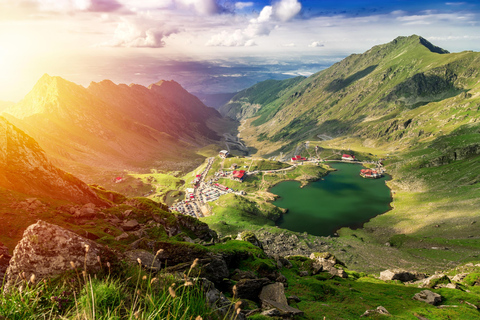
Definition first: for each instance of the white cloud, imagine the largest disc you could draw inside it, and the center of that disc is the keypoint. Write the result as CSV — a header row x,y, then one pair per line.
x,y
287,9
140,33
268,19
289,45
243,5
316,44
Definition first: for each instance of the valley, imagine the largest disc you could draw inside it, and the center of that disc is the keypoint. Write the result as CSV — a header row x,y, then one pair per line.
x,y
135,173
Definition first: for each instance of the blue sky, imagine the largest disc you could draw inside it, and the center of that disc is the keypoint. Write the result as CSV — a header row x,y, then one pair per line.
x,y
210,45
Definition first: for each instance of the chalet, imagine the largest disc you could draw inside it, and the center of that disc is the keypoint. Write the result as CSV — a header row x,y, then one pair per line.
x,y
348,157
370,173
298,158
223,154
238,175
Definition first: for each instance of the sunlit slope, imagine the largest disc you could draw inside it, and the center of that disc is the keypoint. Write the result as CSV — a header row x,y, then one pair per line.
x,y
383,96
110,127
25,168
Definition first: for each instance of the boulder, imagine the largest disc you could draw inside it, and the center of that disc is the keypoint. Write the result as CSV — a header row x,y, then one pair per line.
x,y
273,296
249,288
428,296
434,281
217,301
47,250
459,277
216,270
379,310
326,261
401,275
130,225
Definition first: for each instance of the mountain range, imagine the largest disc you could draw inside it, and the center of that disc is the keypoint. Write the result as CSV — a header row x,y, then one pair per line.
x,y
108,127
391,96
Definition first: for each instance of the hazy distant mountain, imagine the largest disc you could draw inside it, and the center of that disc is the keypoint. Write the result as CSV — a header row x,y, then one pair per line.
x,y
5,104
215,100
393,94
25,168
112,127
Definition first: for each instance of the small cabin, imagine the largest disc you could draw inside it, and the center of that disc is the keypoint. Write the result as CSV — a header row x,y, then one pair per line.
x,y
348,157
223,154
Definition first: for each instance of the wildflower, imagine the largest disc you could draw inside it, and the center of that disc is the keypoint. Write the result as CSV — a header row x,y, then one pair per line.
x,y
137,314
188,283
198,318
139,261
144,278
32,278
159,252
72,264
153,280
108,265
87,247
172,291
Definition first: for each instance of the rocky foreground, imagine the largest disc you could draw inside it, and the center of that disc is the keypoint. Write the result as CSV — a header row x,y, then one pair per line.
x,y
237,269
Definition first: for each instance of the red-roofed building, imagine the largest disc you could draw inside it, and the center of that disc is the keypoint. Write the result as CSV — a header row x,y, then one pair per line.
x,y
348,157
238,175
370,173
298,158
118,179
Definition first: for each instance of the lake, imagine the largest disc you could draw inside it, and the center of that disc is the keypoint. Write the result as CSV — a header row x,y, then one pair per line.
x,y
341,199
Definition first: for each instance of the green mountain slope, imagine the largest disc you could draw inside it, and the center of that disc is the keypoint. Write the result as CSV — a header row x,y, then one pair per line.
x,y
385,94
419,107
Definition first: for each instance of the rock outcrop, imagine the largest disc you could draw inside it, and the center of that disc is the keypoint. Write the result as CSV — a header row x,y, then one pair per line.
x,y
428,296
273,296
47,250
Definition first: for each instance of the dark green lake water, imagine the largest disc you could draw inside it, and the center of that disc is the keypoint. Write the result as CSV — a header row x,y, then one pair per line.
x,y
341,199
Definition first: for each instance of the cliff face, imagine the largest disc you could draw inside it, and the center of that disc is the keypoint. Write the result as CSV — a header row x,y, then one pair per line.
x,y
25,168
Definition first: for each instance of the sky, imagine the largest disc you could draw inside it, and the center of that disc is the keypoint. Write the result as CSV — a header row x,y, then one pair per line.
x,y
210,46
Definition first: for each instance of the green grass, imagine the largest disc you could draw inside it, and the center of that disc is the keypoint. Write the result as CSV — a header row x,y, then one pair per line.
x,y
132,294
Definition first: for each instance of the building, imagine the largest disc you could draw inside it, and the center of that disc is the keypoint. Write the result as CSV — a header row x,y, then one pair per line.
x,y
298,158
348,157
118,179
223,154
370,173
238,175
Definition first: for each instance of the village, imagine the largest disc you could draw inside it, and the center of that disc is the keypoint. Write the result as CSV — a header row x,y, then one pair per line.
x,y
201,191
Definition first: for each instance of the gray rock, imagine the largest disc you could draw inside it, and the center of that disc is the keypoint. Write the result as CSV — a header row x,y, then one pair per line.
x,y
130,225
432,281
216,300
249,288
303,273
47,250
401,275
122,236
271,313
273,296
216,270
241,274
379,310
428,296
459,277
